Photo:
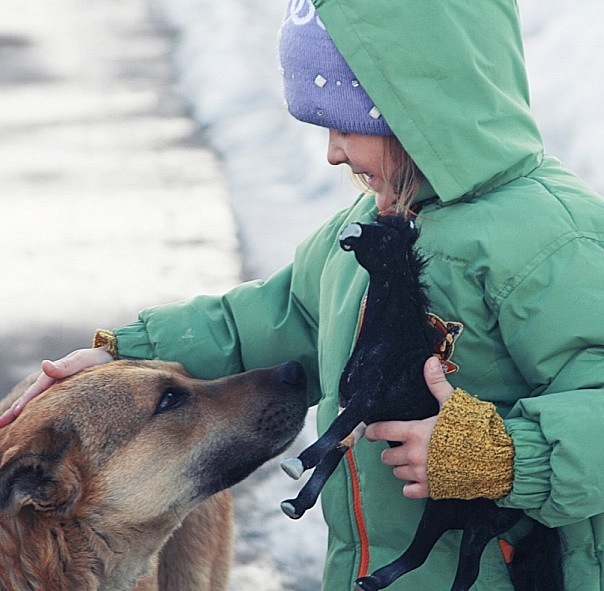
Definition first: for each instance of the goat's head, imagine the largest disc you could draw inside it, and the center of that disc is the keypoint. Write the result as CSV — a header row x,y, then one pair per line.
x,y
378,246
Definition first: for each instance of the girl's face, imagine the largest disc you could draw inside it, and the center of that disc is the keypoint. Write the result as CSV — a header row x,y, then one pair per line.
x,y
365,156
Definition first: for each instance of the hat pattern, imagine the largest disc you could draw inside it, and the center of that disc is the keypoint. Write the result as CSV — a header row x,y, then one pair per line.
x,y
319,86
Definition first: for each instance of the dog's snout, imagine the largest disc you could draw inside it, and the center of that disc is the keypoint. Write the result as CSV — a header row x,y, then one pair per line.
x,y
293,374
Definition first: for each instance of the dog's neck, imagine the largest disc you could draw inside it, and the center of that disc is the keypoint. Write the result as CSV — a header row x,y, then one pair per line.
x,y
74,554
129,551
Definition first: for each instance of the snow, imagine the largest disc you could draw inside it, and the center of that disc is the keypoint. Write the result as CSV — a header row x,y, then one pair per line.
x,y
100,183
226,54
565,60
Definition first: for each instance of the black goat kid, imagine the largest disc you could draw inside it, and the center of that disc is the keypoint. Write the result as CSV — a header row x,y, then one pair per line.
x,y
383,380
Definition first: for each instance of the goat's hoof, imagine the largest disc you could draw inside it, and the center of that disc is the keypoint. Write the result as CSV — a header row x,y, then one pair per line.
x,y
293,467
290,510
367,584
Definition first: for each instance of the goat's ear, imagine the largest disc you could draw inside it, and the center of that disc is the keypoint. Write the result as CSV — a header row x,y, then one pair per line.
x,y
38,472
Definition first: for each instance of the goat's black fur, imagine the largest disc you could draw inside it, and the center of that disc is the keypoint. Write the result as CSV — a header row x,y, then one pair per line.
x,y
383,380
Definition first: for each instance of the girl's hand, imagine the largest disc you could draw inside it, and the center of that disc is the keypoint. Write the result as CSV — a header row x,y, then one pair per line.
x,y
53,371
409,460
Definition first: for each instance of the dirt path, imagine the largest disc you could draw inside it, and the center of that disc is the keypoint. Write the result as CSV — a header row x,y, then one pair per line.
x,y
108,199
109,202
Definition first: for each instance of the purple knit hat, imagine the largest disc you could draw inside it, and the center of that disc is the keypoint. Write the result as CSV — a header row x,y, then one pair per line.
x,y
319,86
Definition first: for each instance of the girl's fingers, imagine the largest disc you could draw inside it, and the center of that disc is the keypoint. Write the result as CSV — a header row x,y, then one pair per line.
x,y
387,431
42,383
436,380
416,490
75,362
53,371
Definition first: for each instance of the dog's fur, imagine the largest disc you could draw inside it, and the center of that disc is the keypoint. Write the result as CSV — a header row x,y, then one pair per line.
x,y
104,468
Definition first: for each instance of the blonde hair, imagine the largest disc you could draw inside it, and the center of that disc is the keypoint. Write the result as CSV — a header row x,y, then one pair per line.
x,y
404,175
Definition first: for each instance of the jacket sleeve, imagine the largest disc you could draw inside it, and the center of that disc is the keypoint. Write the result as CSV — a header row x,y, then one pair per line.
x,y
256,324
552,324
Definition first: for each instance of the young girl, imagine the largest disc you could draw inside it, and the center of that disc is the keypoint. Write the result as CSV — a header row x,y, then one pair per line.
x,y
428,103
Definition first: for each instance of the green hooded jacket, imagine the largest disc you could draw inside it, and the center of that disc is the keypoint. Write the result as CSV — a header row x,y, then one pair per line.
x,y
516,277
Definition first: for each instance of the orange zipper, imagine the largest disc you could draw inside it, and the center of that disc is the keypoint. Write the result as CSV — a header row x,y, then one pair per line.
x,y
356,488
358,515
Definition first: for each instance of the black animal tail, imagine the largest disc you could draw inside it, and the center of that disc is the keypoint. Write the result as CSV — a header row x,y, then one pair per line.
x,y
537,563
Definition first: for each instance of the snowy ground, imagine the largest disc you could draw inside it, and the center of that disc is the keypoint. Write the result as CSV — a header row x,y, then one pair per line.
x,y
110,199
108,195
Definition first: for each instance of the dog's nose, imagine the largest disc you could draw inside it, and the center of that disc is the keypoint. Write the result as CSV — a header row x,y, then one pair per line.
x,y
293,374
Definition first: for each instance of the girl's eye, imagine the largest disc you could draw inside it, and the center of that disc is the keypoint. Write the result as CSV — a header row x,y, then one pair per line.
x,y
172,397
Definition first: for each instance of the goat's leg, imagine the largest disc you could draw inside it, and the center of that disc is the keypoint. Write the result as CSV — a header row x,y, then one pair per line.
x,y
431,527
473,542
309,494
342,426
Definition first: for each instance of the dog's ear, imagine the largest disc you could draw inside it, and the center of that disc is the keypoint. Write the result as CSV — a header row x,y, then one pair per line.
x,y
38,472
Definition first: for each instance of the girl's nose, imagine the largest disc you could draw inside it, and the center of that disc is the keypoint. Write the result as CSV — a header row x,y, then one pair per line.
x,y
335,151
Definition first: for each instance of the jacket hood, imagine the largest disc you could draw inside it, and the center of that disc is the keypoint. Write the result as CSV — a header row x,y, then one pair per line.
x,y
450,80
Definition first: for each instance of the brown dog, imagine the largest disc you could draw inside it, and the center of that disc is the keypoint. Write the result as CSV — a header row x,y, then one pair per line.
x,y
101,470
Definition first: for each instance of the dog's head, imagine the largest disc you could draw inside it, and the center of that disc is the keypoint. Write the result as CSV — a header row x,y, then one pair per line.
x,y
138,440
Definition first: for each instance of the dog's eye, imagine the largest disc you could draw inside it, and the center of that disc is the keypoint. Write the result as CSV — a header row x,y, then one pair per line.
x,y
171,398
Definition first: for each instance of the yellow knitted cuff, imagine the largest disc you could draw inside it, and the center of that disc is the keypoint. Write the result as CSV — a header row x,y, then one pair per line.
x,y
105,338
471,454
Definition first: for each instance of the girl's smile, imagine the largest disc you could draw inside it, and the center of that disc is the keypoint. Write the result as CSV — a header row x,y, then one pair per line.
x,y
365,156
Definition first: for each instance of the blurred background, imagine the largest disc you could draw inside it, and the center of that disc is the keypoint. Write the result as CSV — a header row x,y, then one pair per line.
x,y
144,151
